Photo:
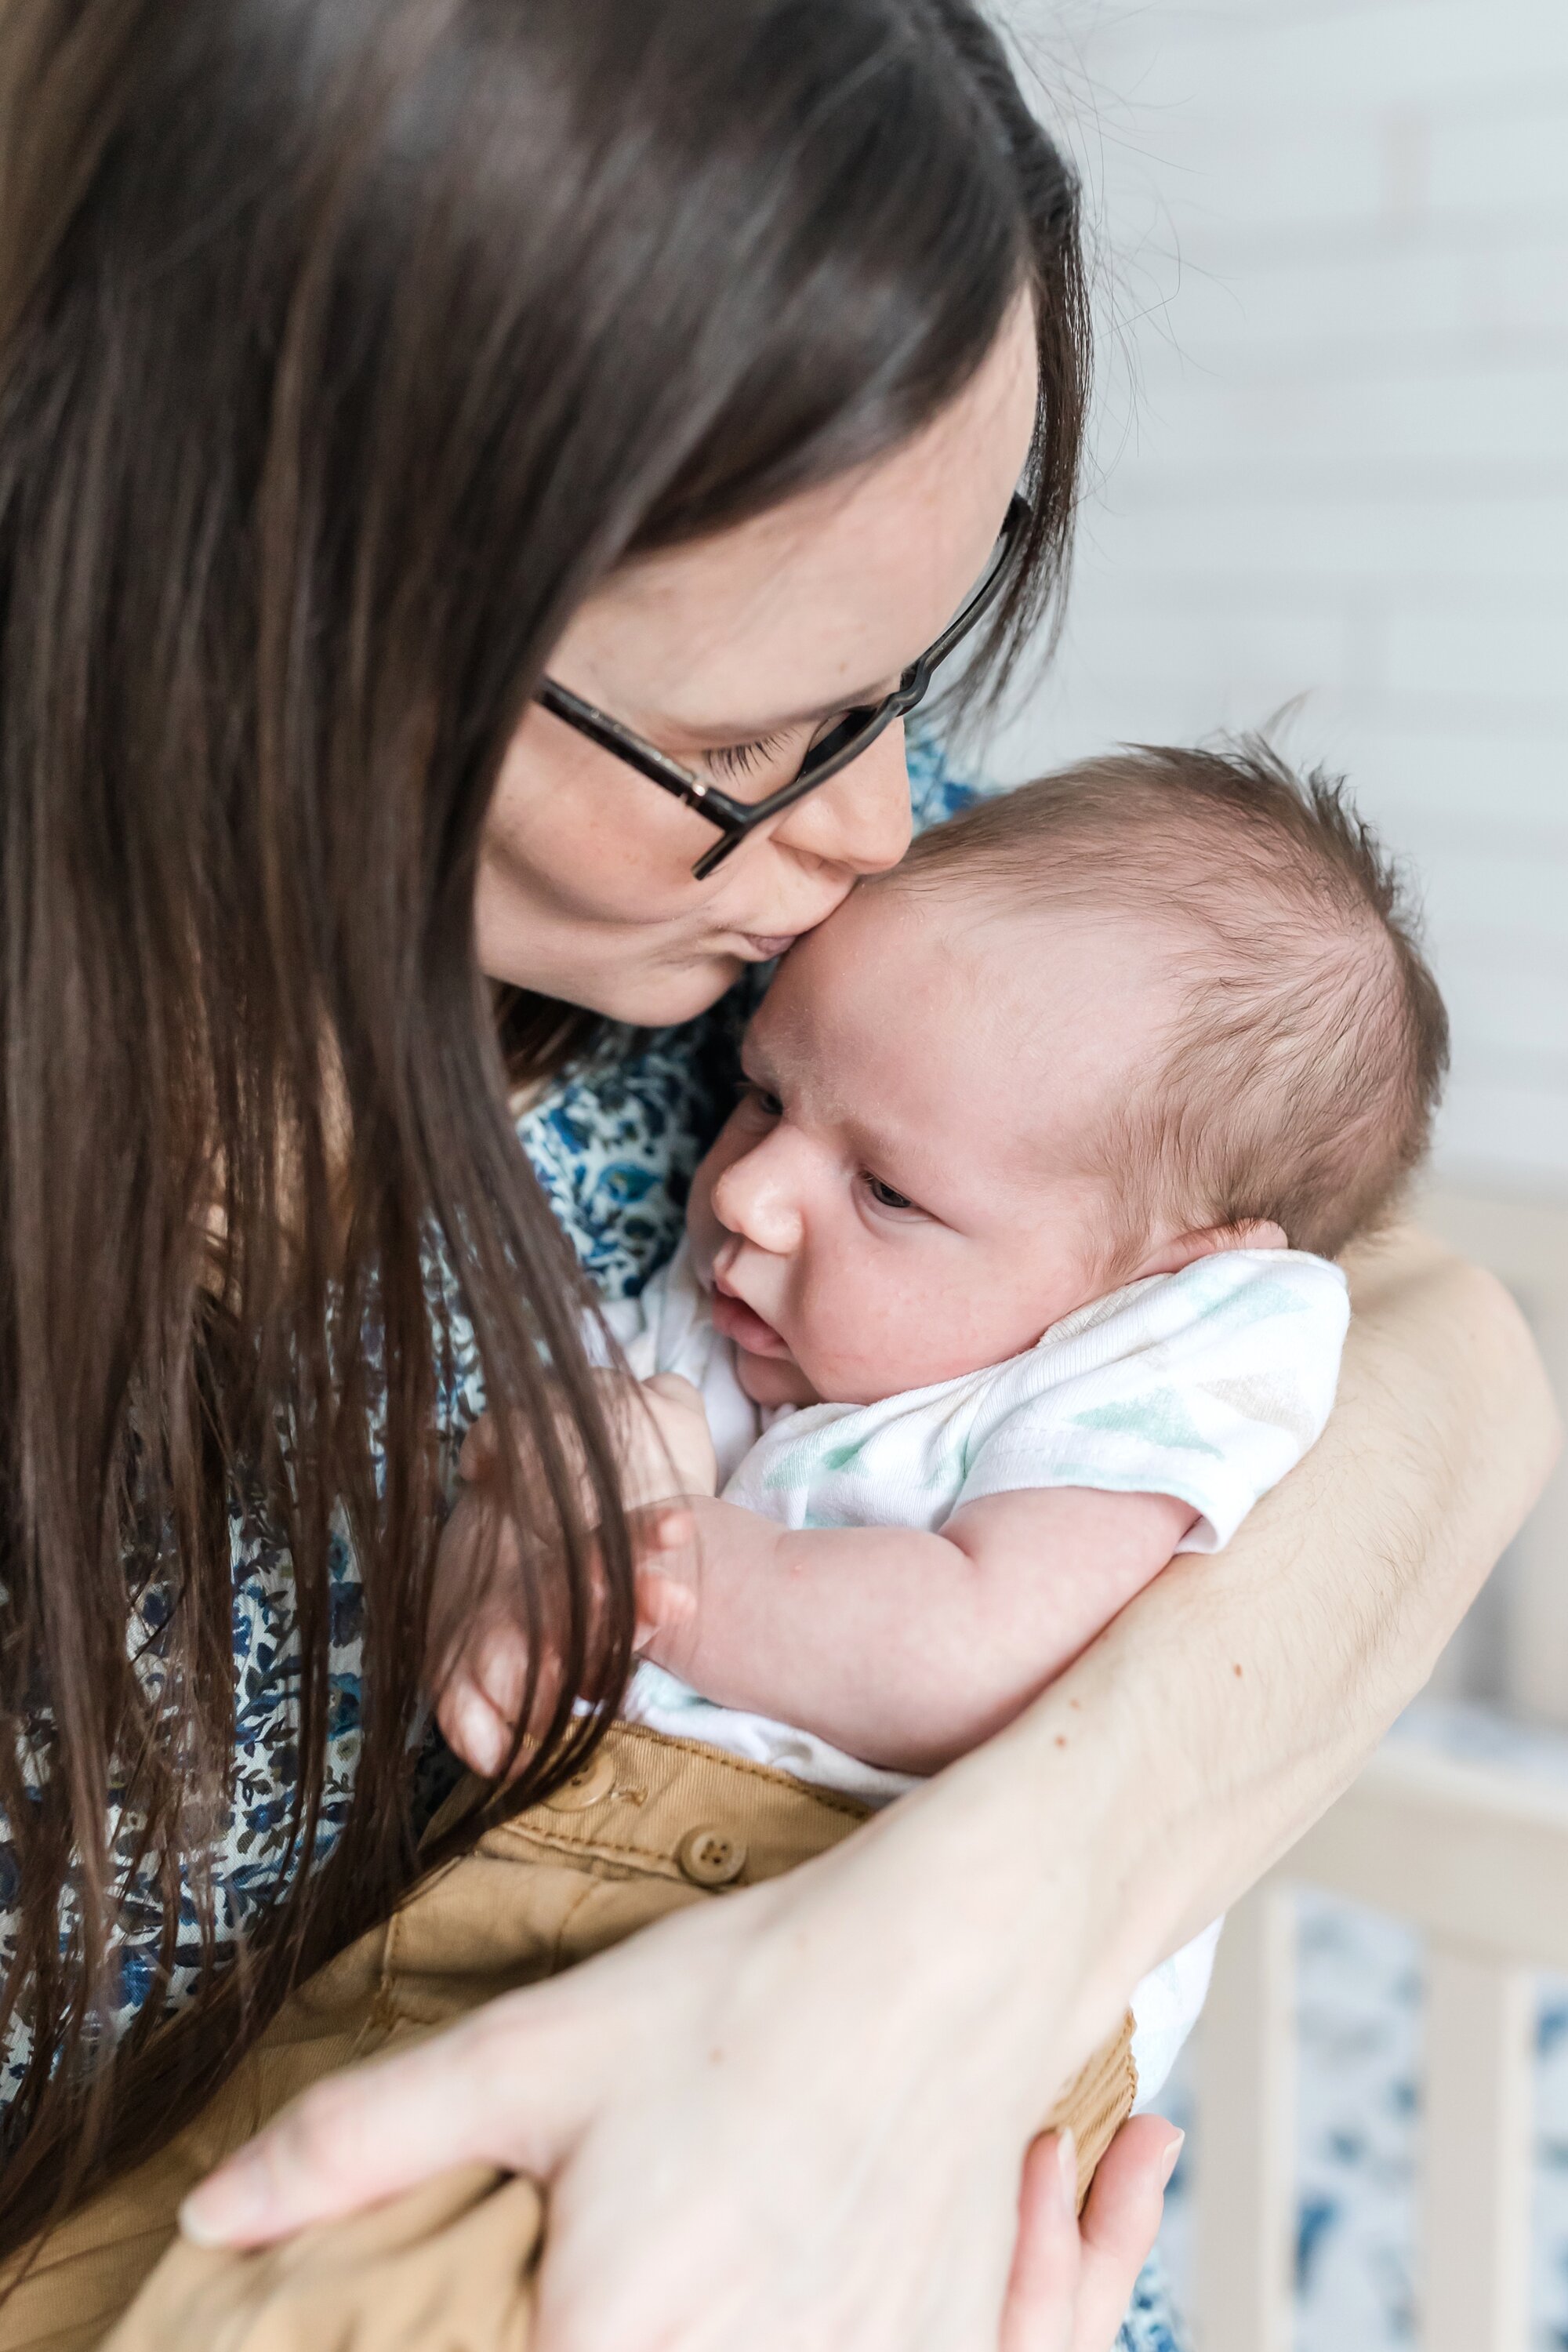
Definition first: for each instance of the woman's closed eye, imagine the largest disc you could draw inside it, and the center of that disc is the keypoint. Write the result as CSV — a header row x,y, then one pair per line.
x,y
735,760
787,748
757,1098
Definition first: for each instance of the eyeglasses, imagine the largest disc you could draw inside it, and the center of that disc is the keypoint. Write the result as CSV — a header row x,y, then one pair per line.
x,y
844,743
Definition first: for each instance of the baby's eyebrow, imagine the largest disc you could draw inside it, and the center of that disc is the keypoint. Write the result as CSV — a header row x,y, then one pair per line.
x,y
755,1066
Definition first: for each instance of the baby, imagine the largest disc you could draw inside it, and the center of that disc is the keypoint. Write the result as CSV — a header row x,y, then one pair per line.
x,y
1010,1276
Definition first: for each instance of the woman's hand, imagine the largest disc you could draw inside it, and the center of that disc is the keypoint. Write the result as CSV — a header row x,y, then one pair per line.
x,y
758,2127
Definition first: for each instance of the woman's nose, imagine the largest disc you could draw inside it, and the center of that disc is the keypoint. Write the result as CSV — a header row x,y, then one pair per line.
x,y
859,818
756,1198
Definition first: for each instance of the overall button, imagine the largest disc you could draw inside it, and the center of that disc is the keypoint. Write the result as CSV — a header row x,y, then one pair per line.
x,y
710,1858
586,1787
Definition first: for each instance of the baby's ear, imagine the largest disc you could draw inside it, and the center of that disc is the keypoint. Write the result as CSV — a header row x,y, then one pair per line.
x,y
1246,1233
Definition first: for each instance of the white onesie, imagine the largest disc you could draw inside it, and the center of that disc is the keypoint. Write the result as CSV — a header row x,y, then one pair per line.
x,y
1208,1385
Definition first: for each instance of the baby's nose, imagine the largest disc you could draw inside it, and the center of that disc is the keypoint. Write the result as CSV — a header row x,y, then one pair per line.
x,y
754,1198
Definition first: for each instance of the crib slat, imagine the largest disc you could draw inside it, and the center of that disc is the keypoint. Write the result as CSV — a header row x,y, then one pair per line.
x,y
1475,2158
1244,2198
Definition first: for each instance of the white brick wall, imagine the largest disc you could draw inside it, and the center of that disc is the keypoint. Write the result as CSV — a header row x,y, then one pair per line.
x,y
1333,444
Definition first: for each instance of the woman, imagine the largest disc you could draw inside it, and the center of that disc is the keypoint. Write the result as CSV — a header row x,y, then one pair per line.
x,y
365,364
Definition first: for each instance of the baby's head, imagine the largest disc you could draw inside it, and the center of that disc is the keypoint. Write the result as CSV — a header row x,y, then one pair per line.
x,y
1160,1005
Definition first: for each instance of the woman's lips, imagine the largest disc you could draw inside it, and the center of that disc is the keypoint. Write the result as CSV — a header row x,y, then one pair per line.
x,y
734,1320
764,948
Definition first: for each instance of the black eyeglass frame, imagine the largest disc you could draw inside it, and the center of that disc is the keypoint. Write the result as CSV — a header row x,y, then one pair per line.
x,y
853,733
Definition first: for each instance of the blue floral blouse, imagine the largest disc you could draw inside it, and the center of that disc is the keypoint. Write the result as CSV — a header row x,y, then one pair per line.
x,y
613,1144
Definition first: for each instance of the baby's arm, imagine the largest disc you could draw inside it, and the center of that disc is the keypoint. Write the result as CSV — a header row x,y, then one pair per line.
x,y
903,1648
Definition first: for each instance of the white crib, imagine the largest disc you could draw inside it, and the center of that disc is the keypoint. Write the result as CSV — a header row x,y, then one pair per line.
x,y
1473,1856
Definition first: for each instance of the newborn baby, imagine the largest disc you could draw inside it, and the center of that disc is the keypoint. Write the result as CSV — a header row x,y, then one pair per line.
x,y
1009,1277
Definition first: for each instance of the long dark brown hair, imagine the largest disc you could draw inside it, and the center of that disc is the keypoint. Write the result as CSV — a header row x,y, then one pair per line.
x,y
345,345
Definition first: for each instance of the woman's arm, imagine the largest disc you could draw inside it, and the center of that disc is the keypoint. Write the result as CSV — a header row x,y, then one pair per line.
x,y
1284,1658
797,2114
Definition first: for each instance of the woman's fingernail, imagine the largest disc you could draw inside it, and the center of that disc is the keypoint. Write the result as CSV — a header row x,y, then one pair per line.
x,y
220,2211
1067,2166
1172,2155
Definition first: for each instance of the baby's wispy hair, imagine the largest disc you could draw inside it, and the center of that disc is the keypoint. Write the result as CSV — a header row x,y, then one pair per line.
x,y
1295,1077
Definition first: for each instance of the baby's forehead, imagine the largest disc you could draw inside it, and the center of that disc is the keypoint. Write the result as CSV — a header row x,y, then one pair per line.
x,y
1037,958
1004,1031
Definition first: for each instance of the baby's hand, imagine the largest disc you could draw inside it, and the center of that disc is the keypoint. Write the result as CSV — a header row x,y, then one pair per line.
x,y
480,1676
664,1441
659,1429
483,1691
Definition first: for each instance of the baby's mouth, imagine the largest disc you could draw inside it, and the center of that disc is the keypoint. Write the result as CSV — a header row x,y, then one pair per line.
x,y
735,1321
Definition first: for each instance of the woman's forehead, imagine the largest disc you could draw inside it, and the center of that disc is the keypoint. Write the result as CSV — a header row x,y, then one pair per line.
x,y
827,598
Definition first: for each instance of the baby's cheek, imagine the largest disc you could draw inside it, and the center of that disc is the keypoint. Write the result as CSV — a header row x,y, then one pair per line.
x,y
910,1338
859,1342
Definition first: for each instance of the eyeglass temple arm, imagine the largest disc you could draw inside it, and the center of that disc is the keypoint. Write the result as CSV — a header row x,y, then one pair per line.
x,y
714,804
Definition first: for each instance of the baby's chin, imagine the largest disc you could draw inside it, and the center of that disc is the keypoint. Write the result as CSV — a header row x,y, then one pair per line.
x,y
774,1379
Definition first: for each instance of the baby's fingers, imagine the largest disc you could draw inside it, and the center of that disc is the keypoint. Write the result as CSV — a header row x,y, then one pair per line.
x,y
663,1537
661,1529
480,1451
665,1607
483,1697
472,1727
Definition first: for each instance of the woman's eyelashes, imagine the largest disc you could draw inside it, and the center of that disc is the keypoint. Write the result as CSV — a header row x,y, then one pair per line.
x,y
787,748
734,760
758,1098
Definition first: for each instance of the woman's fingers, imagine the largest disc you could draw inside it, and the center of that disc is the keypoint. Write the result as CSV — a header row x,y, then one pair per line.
x,y
1042,2292
1072,2279
510,2086
1120,2223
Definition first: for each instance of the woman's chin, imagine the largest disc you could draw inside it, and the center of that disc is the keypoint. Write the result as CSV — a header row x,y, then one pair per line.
x,y
663,999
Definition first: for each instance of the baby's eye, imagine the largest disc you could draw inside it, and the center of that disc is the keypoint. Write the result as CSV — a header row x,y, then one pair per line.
x,y
884,1195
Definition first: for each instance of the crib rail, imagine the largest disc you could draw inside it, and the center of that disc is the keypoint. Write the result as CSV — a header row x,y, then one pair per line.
x,y
1476,1858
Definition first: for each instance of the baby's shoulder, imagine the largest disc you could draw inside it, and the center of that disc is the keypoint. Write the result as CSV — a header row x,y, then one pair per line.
x,y
1238,1313
1289,1293
1207,1384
